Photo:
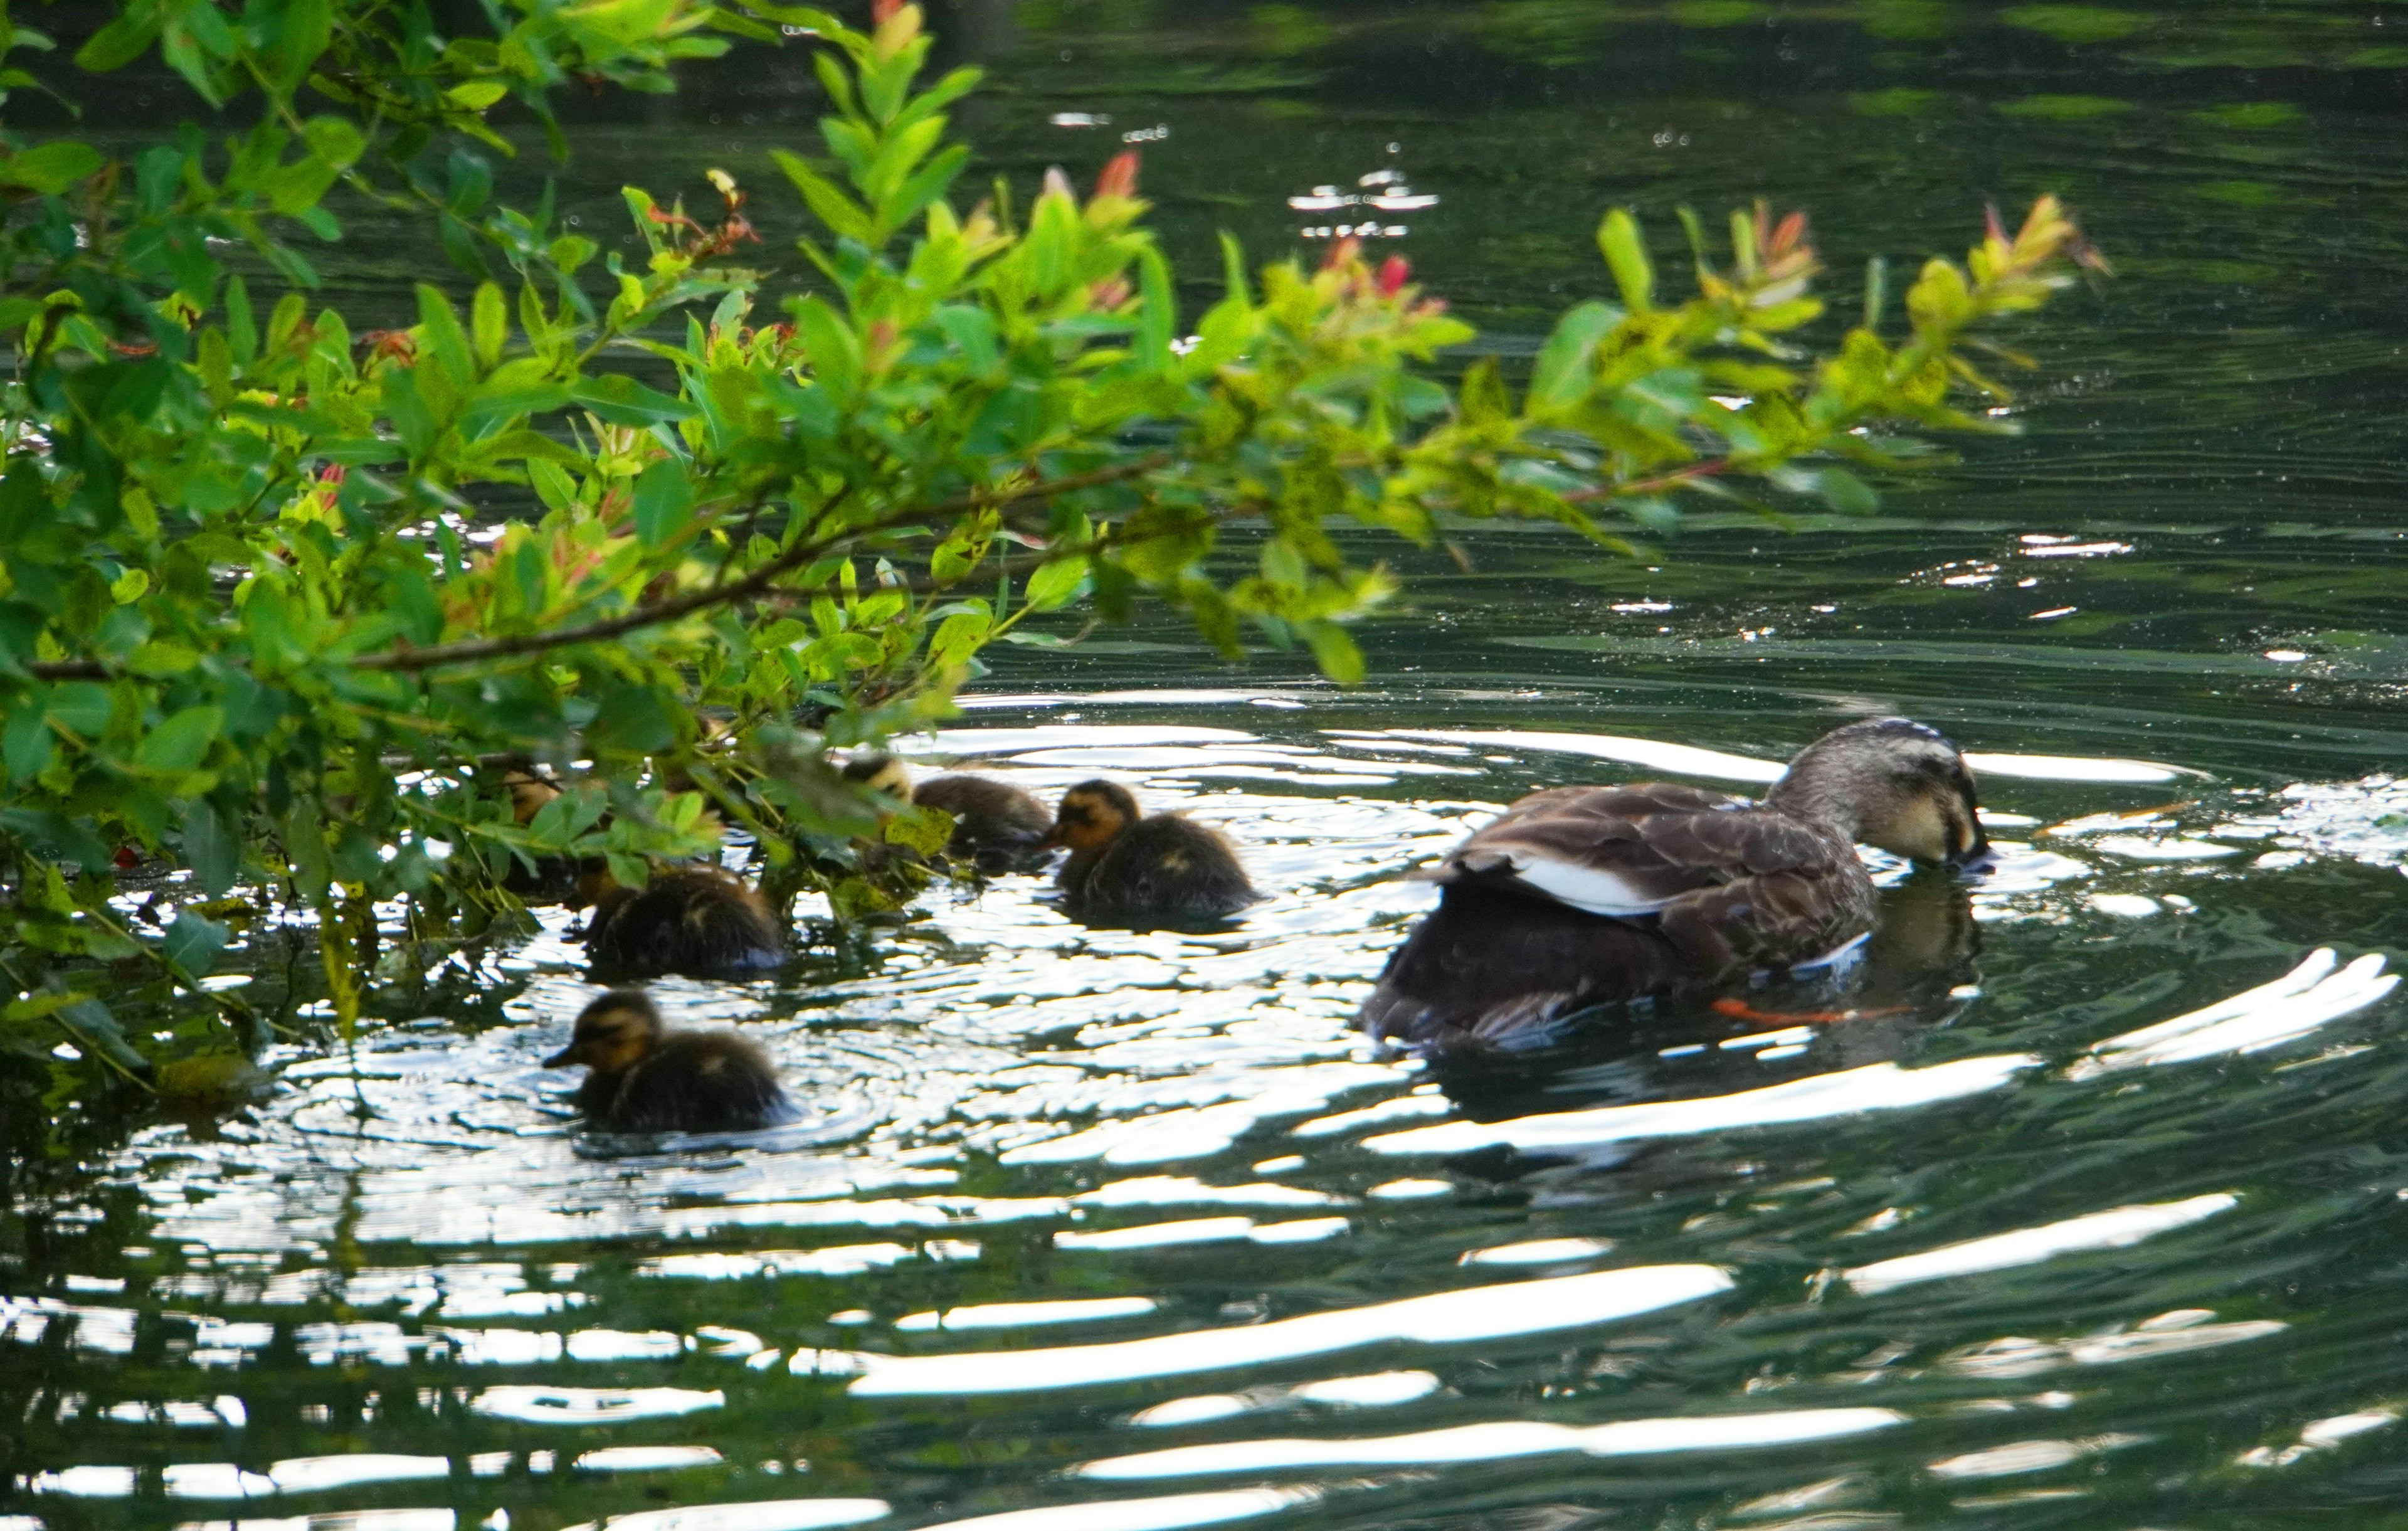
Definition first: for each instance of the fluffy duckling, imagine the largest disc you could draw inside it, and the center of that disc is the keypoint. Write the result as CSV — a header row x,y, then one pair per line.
x,y
1126,867
997,826
1587,895
641,1077
551,879
698,921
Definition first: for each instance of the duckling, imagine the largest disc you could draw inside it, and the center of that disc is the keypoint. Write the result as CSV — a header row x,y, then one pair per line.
x,y
1126,867
551,879
641,1077
1581,896
698,921
997,826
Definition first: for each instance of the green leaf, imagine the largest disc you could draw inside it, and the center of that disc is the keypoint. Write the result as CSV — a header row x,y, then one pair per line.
x,y
121,42
177,745
490,325
476,94
26,744
1562,376
958,637
334,139
1624,252
1055,583
212,849
1846,492
1335,651
93,1023
623,401
664,501
52,167
844,217
80,708
630,720
193,943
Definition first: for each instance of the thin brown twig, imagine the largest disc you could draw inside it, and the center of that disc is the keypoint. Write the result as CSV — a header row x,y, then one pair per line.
x,y
470,650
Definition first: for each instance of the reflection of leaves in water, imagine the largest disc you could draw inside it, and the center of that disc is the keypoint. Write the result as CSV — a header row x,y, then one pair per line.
x,y
2250,115
1289,29
1213,80
2241,194
1896,103
1715,12
2065,108
2076,24
1905,21
1545,32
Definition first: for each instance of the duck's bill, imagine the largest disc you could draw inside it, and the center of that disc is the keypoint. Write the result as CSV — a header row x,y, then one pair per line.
x,y
562,1059
1974,859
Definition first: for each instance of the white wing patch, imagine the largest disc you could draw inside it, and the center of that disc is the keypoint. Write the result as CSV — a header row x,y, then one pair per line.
x,y
1591,889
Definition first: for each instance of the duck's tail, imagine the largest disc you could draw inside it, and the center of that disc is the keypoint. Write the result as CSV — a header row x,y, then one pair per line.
x,y
1497,970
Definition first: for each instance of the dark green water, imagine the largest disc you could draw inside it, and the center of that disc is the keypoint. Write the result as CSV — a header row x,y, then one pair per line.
x,y
1952,1263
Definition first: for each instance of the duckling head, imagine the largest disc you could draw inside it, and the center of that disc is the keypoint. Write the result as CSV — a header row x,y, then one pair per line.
x,y
529,793
1093,814
613,1034
1891,783
881,772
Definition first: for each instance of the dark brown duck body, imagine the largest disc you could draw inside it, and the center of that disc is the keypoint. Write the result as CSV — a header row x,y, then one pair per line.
x,y
698,920
1126,867
997,826
1584,896
643,1077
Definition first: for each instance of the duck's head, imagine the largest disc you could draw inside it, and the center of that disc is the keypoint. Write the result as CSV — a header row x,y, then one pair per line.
x,y
881,772
1093,814
596,888
1891,783
529,793
613,1034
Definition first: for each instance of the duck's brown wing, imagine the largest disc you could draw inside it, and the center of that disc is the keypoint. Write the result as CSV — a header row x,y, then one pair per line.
x,y
1633,851
1588,896
1493,968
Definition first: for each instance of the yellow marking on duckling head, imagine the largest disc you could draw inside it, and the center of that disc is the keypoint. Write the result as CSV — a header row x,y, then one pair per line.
x,y
595,886
1091,815
881,773
613,1034
529,793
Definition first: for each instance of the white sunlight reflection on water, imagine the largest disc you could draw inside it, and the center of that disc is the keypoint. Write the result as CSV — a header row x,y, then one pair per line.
x,y
1501,1441
2310,995
1000,1047
2114,1229
1484,1312
1874,1087
1164,1514
759,1515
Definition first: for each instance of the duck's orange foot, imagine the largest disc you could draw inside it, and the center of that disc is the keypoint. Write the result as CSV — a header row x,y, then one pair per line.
x,y
1740,1010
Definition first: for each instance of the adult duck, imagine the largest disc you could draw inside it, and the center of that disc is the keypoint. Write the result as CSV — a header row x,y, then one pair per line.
x,y
1582,897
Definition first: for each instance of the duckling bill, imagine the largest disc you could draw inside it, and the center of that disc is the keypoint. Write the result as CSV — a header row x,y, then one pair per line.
x,y
1126,866
642,1077
1582,896
698,921
997,826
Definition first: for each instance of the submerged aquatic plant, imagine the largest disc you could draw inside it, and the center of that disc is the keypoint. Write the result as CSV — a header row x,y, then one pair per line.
x,y
291,602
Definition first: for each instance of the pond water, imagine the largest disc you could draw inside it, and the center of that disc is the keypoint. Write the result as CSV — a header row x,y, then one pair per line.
x,y
1094,1231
